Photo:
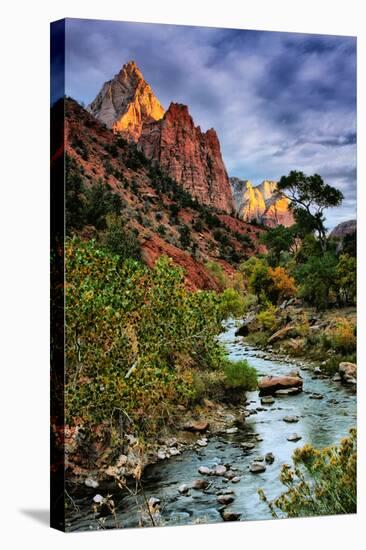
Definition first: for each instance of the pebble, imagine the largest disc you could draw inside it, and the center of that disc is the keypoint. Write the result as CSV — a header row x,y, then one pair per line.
x,y
247,446
202,442
316,396
98,499
228,515
220,470
257,467
268,400
233,430
183,489
269,458
199,484
290,419
204,470
225,499
235,479
259,458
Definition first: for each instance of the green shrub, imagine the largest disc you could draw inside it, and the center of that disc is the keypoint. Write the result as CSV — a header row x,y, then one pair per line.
x,y
267,319
232,303
321,482
240,376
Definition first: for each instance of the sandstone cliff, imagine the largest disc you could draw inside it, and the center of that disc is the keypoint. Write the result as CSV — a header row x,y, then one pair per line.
x,y
126,102
345,228
189,156
262,203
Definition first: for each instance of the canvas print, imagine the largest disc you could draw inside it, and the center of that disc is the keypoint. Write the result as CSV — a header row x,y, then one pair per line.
x,y
203,275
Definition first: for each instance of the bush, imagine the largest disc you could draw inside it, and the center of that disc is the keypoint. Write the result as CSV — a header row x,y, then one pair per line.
x,y
267,319
341,338
232,303
240,376
321,482
120,240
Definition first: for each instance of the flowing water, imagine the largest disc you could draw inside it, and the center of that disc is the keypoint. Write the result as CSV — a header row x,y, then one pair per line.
x,y
322,422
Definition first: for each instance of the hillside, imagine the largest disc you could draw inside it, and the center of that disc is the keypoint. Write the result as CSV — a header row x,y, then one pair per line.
x,y
165,218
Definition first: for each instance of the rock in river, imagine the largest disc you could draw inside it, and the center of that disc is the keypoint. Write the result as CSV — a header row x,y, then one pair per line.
x,y
267,400
204,470
269,458
219,470
229,515
291,419
268,385
257,467
199,484
294,437
247,446
225,499
183,489
231,430
288,391
316,396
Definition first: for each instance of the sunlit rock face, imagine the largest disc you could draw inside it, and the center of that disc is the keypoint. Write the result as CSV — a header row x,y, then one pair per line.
x,y
262,203
190,156
126,102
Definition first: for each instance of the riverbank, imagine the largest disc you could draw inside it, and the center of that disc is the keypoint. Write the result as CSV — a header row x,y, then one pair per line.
x,y
236,445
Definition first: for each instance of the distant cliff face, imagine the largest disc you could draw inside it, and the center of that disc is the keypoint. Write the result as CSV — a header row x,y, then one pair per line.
x,y
126,102
343,229
263,203
189,156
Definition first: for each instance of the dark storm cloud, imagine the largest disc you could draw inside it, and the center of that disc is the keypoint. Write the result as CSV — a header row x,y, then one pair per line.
x,y
279,101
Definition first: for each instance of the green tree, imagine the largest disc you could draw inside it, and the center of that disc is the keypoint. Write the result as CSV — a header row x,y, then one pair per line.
x,y
121,240
277,240
346,279
317,277
309,197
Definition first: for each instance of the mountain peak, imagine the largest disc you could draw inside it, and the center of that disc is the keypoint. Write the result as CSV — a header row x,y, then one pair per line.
x,y
262,203
126,102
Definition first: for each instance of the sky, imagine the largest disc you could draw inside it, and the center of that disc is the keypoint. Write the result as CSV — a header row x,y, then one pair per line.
x,y
278,101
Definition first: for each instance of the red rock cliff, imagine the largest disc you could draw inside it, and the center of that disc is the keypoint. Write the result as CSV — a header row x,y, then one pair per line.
x,y
191,157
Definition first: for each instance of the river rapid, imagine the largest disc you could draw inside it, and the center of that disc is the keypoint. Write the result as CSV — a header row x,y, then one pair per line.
x,y
322,422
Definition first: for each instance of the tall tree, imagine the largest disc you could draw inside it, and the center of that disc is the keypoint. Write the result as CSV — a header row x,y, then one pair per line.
x,y
309,197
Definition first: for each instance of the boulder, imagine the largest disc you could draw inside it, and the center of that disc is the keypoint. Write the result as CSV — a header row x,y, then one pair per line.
x,y
199,426
280,334
268,385
348,372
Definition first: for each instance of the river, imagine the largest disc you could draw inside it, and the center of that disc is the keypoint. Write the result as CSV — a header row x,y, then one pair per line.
x,y
322,422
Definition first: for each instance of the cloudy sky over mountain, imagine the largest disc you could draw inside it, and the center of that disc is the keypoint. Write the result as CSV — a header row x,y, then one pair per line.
x,y
278,101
